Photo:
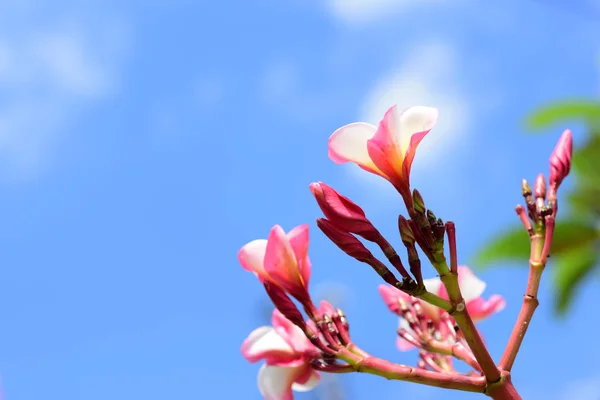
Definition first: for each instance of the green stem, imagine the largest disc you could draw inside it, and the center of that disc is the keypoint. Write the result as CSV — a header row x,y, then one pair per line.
x,y
436,300
464,320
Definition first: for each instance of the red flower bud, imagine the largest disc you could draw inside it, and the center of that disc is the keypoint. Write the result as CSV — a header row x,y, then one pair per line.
x,y
560,160
347,242
285,305
343,212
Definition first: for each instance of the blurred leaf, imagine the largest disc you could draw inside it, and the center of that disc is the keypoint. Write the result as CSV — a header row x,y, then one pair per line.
x,y
571,270
581,109
586,162
514,244
585,201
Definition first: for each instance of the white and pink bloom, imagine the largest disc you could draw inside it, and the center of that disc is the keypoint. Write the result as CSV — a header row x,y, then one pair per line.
x,y
471,287
287,353
282,259
387,150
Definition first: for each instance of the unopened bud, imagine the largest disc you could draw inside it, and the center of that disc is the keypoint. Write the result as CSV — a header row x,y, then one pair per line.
x,y
418,202
326,308
285,305
347,242
539,189
560,160
431,218
525,188
406,233
439,230
343,212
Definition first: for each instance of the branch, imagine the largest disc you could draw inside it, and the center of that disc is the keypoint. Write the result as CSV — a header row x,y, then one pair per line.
x,y
386,369
465,322
537,263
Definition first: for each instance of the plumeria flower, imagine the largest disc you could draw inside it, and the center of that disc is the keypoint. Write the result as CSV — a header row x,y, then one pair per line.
x,y
471,287
387,150
287,353
282,259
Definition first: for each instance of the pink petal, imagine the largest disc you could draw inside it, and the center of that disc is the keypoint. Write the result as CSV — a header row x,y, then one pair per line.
x,y
266,343
481,309
252,257
349,144
275,383
299,240
470,286
391,295
326,308
280,261
307,381
292,334
402,344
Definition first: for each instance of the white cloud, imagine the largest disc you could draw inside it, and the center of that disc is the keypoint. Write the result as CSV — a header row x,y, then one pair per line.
x,y
426,77
52,67
365,11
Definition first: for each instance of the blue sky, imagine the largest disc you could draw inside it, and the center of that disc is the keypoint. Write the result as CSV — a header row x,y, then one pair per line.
x,y
143,143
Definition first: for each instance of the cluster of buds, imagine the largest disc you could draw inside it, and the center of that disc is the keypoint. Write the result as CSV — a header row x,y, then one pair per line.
x,y
437,315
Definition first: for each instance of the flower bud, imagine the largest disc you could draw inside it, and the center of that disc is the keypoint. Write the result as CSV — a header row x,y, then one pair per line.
x,y
347,242
431,218
560,160
539,189
343,212
406,233
525,188
418,202
284,304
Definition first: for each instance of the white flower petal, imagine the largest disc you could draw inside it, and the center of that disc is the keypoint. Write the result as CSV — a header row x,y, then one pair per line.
x,y
349,143
275,382
471,286
310,384
433,285
269,340
252,255
414,120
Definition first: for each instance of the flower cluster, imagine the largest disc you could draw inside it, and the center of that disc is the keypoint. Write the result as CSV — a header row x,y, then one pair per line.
x,y
436,315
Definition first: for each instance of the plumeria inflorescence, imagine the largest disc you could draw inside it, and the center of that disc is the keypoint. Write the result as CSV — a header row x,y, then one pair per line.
x,y
437,315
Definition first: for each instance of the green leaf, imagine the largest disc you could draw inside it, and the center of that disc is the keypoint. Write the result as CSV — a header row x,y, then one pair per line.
x,y
584,201
586,162
575,109
571,270
514,243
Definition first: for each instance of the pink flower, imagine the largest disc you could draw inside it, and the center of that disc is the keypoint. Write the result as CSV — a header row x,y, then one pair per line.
x,y
281,259
471,287
287,354
387,150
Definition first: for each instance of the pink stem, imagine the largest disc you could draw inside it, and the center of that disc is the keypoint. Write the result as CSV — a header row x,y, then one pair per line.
x,y
386,369
451,232
503,390
530,303
524,219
